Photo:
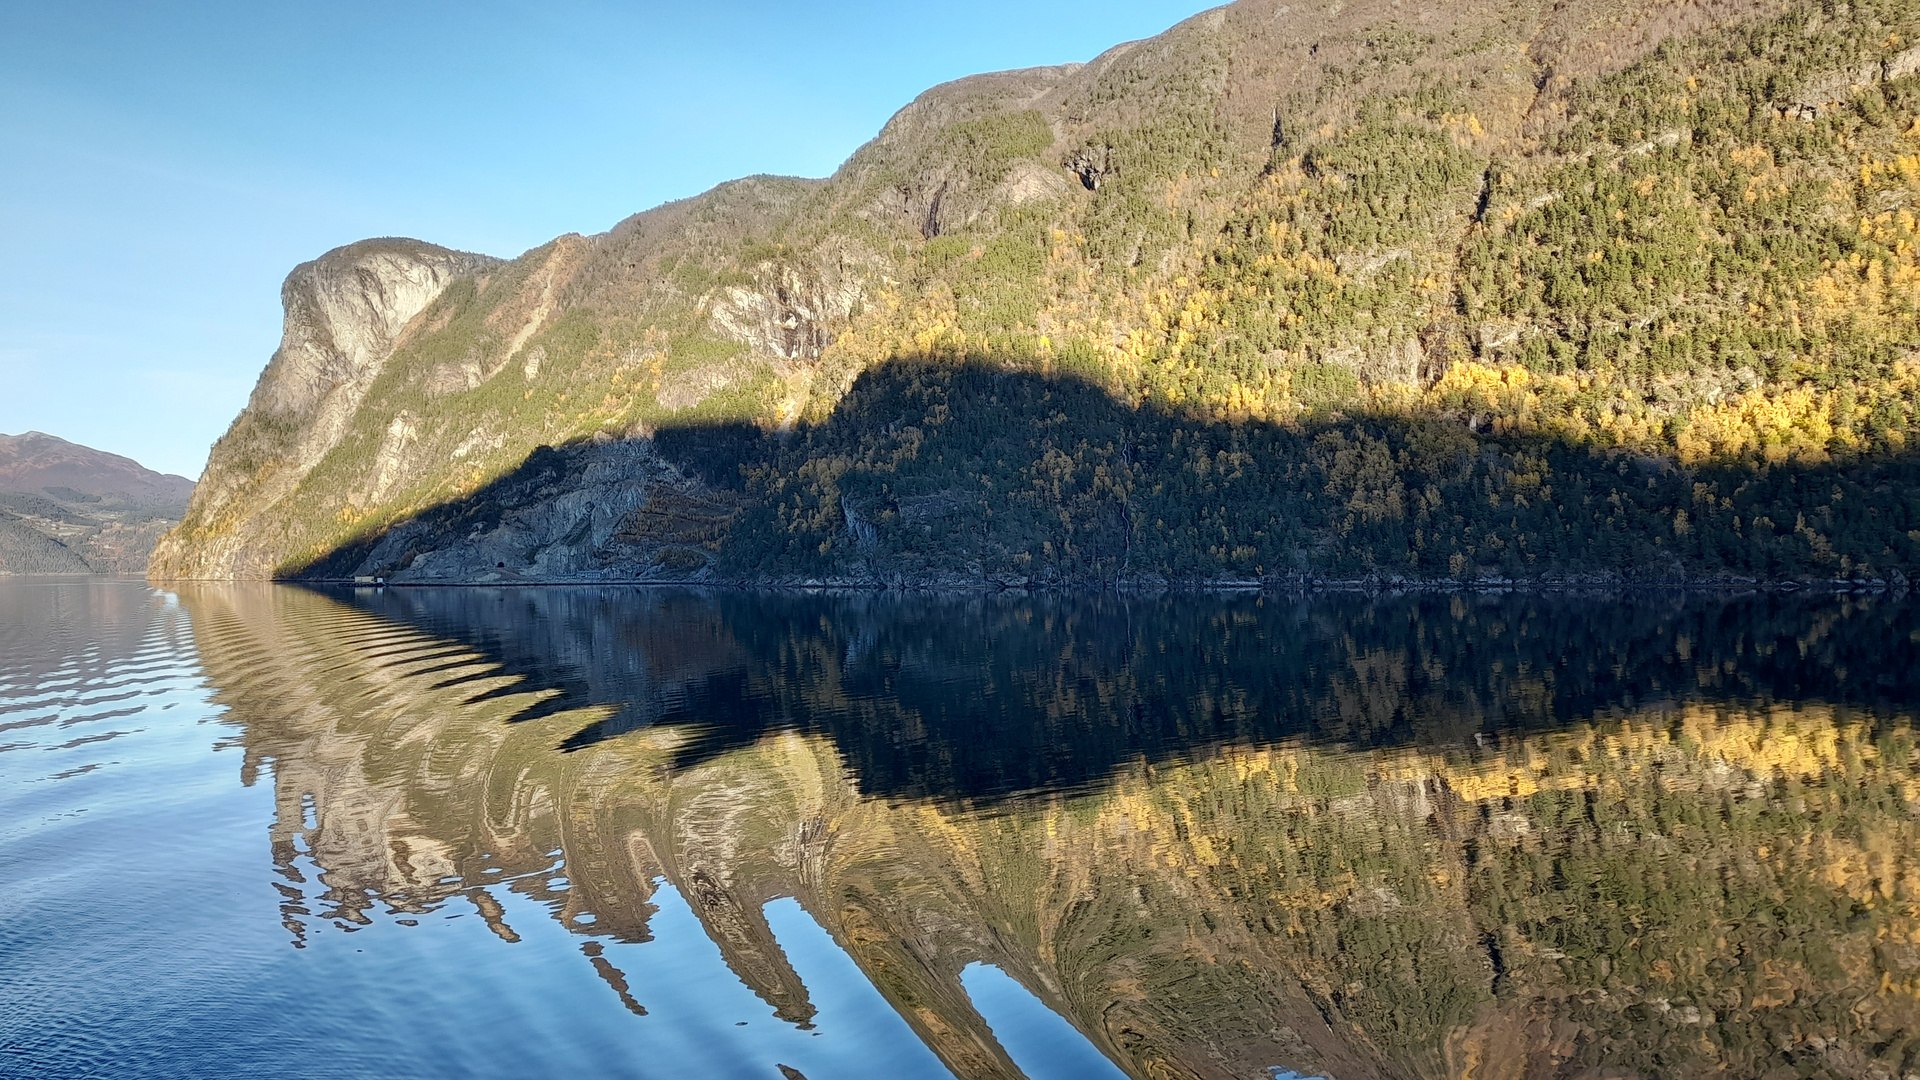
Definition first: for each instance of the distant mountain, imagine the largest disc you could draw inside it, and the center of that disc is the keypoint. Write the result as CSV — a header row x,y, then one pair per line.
x,y
44,464
71,509
1597,290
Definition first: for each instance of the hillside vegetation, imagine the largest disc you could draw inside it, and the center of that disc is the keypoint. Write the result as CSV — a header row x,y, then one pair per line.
x,y
1618,291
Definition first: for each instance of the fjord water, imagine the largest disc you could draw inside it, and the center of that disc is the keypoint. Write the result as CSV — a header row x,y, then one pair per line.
x,y
260,830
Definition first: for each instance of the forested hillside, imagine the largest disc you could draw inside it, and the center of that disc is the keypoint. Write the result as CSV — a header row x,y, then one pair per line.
x,y
1612,292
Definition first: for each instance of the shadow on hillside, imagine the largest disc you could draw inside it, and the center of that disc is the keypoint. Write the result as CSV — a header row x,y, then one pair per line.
x,y
939,472
973,699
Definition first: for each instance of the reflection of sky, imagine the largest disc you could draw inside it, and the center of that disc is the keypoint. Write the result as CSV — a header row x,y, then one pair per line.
x,y
538,1008
861,1035
140,930
1039,1040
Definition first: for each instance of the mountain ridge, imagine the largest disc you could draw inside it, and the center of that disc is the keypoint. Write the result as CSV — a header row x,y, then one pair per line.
x,y
1337,231
32,460
70,509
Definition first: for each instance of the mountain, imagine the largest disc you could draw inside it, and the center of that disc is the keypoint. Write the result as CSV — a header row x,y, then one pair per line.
x,y
1611,290
37,462
71,509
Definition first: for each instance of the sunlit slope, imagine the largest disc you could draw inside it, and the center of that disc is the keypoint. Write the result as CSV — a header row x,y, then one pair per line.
x,y
1417,255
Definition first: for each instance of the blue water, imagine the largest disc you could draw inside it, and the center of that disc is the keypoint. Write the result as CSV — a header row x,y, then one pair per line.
x,y
1042,1042
260,831
141,927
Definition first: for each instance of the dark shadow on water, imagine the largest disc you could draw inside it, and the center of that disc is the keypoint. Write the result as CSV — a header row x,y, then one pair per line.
x,y
934,469
978,698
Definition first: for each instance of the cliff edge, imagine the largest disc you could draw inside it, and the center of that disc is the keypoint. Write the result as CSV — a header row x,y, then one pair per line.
x,y
1620,290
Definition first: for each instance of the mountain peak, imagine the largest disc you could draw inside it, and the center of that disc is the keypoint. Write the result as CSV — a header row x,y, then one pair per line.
x,y
1448,291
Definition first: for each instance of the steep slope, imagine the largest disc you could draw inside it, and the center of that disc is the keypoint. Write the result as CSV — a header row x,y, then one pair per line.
x,y
71,509
345,311
1614,290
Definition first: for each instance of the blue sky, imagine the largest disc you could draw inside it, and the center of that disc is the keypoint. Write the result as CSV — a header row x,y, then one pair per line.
x,y
162,166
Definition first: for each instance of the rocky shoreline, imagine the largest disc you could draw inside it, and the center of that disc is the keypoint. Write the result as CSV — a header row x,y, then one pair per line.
x,y
956,585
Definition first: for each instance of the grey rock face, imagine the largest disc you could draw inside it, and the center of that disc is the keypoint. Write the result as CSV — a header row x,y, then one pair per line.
x,y
1821,94
345,313
792,310
614,511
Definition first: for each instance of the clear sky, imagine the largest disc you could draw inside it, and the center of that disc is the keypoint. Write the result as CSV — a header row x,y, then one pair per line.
x,y
162,166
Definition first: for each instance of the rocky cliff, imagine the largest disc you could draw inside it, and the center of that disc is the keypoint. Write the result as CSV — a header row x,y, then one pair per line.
x,y
1616,290
345,312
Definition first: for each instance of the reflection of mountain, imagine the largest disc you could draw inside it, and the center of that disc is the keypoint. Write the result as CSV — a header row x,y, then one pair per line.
x,y
975,698
1701,874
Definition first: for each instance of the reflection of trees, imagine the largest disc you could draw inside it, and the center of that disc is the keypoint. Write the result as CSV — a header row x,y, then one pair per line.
x,y
975,698
1312,864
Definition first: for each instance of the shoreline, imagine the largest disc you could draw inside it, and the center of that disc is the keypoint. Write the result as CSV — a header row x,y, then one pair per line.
x,y
1367,586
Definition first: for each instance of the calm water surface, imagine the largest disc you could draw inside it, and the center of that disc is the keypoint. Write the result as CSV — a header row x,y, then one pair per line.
x,y
258,830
